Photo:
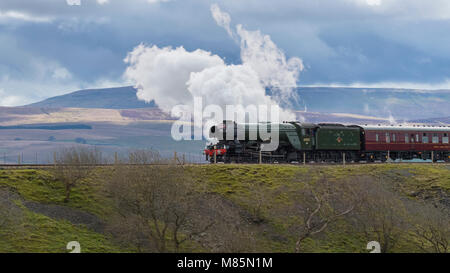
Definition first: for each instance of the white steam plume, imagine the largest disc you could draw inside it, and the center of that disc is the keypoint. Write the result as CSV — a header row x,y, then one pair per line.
x,y
172,77
263,55
231,85
161,74
223,19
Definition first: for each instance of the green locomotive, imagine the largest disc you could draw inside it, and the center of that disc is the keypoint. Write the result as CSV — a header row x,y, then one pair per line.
x,y
301,142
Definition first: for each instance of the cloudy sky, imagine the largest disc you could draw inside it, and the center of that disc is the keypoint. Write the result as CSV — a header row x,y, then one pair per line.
x,y
52,47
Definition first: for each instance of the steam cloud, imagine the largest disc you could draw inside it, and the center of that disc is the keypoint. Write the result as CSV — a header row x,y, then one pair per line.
x,y
174,76
223,19
275,72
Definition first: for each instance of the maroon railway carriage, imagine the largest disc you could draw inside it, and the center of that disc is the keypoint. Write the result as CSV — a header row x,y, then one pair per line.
x,y
405,142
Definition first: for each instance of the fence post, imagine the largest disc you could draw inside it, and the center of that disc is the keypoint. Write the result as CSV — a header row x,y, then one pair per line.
x,y
260,157
343,158
389,156
215,155
304,158
116,158
184,159
432,156
18,160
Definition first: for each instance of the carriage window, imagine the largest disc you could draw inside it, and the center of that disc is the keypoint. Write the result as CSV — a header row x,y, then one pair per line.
x,y
412,138
377,138
393,137
388,138
445,138
407,138
435,138
425,138
417,137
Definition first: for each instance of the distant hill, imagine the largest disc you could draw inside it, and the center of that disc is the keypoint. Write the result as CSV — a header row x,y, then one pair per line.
x,y
48,127
384,103
400,104
108,98
438,121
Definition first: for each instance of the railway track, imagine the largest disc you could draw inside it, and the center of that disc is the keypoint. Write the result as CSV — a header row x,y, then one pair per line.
x,y
41,166
46,166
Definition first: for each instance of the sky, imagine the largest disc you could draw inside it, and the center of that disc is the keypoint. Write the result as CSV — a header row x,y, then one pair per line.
x,y
53,47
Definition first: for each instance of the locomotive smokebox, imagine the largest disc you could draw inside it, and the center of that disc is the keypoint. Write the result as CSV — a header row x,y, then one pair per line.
x,y
224,130
213,131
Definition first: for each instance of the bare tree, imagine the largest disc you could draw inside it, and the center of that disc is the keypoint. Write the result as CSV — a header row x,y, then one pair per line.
x,y
73,165
258,200
382,215
320,204
431,225
160,201
145,157
232,232
10,213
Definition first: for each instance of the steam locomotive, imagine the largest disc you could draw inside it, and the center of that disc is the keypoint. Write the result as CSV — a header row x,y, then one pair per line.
x,y
323,142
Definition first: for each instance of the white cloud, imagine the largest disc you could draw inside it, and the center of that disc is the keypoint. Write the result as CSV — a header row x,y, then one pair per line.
x,y
368,2
408,9
101,2
73,2
61,73
445,85
22,16
157,1
75,24
373,2
7,100
33,90
26,77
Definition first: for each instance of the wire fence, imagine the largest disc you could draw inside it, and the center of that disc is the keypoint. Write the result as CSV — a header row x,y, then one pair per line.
x,y
107,158
48,158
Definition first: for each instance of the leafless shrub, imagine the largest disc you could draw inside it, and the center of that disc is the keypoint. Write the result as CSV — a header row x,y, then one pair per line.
x,y
431,225
10,213
231,233
321,203
73,165
144,157
130,231
156,204
382,216
257,201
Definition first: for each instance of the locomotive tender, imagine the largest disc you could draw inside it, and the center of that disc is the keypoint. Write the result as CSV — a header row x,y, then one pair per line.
x,y
307,142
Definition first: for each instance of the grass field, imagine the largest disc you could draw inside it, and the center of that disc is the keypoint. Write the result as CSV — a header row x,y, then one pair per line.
x,y
256,191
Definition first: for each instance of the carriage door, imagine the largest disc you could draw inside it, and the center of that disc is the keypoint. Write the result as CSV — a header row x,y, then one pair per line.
x,y
412,139
408,142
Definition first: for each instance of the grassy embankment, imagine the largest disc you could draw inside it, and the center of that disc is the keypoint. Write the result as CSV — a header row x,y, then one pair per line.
x,y
256,189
